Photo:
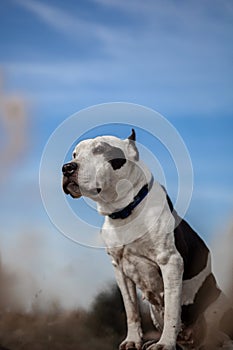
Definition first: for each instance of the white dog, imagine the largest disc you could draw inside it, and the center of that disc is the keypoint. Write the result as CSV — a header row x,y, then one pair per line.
x,y
151,247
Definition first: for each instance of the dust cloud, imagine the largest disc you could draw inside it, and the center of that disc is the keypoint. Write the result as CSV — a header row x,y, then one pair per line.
x,y
222,257
13,126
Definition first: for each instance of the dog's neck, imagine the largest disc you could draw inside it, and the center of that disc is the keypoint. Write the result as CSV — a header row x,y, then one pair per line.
x,y
128,189
127,211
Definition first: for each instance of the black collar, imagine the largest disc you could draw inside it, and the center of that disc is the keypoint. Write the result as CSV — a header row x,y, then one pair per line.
x,y
125,212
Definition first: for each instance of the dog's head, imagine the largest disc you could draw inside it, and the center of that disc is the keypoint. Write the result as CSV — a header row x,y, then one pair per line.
x,y
98,167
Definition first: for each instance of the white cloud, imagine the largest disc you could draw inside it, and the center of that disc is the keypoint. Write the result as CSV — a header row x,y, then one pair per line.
x,y
64,22
161,7
175,55
155,26
172,89
223,195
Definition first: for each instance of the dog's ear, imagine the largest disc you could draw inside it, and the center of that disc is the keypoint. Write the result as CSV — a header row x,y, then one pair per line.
x,y
132,149
132,136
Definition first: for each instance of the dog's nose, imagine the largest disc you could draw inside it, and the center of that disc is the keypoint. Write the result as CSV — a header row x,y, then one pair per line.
x,y
69,168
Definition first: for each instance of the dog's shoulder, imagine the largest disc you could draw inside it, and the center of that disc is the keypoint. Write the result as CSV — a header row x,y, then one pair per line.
x,y
116,254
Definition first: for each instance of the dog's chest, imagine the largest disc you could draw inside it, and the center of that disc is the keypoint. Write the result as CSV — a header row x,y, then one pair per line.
x,y
144,272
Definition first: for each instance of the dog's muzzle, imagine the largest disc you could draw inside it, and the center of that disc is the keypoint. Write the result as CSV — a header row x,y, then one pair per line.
x,y
69,182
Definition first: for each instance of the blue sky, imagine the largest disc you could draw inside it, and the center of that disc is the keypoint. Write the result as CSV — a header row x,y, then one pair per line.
x,y
172,56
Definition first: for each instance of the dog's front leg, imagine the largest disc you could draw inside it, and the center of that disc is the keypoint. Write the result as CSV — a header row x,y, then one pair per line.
x,y
128,291
172,272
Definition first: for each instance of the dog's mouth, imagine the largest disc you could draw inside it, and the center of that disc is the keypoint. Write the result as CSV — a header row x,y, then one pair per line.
x,y
71,187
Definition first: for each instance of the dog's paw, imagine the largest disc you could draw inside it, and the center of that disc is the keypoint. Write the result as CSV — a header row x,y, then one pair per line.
x,y
148,343
160,346
130,345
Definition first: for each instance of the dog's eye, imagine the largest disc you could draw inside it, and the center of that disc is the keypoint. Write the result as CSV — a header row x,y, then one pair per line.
x,y
74,155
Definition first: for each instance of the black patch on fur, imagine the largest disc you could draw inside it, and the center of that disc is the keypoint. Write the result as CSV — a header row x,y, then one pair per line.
x,y
205,296
114,155
226,323
117,163
192,249
132,136
132,139
190,246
